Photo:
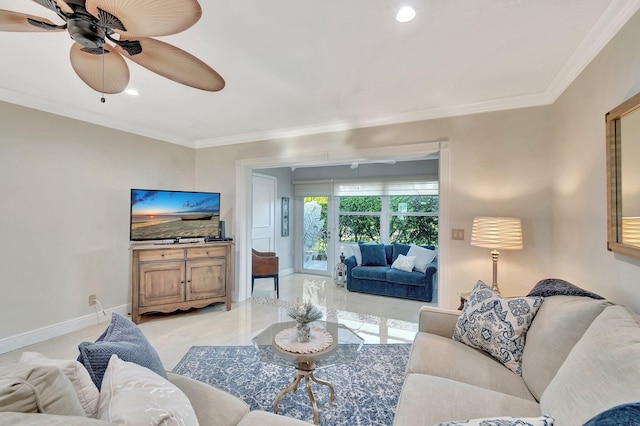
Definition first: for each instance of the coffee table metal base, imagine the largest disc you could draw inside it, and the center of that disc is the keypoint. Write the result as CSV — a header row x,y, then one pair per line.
x,y
305,369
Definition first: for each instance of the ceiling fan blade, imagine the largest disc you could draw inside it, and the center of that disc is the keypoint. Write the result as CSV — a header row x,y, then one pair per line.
x,y
18,22
175,64
55,5
148,18
91,68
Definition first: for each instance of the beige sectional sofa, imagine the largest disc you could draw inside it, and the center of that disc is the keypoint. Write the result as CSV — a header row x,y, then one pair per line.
x,y
212,407
581,357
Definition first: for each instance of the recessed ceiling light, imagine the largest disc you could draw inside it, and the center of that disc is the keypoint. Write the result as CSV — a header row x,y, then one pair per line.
x,y
405,14
132,92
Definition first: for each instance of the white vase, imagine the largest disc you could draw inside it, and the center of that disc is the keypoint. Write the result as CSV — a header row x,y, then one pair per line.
x,y
303,332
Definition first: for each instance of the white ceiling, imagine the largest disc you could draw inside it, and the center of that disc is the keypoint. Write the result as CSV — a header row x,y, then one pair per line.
x,y
297,67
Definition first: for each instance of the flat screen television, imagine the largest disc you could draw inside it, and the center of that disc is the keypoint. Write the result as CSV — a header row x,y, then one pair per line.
x,y
162,215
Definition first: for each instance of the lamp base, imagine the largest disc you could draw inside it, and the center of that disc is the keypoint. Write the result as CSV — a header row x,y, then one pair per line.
x,y
494,258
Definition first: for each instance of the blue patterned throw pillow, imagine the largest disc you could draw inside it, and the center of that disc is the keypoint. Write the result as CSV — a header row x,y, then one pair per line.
x,y
504,421
495,325
122,338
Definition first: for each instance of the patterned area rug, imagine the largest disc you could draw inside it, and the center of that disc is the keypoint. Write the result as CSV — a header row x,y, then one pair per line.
x,y
366,391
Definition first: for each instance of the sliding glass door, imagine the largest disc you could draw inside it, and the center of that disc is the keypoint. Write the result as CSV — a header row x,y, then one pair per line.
x,y
316,236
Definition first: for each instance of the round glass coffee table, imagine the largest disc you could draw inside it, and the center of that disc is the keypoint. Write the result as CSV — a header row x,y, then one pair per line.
x,y
344,348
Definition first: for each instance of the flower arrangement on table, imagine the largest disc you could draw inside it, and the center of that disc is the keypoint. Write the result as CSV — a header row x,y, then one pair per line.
x,y
304,314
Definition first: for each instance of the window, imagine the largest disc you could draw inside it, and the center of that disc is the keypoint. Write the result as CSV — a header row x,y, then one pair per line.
x,y
359,219
406,219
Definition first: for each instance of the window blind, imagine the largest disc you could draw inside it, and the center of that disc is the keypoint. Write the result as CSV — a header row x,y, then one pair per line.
x,y
416,186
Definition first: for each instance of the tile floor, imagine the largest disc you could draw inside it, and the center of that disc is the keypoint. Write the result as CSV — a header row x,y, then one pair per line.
x,y
376,319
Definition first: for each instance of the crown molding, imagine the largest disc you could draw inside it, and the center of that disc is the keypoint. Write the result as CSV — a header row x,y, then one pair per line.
x,y
75,113
612,20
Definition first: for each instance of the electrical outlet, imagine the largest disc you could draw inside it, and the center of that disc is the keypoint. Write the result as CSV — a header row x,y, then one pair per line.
x,y
457,234
92,299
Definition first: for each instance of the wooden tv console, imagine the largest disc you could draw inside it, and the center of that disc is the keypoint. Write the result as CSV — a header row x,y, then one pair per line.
x,y
168,278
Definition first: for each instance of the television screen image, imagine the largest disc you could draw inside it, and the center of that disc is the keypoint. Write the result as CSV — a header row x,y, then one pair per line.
x,y
159,215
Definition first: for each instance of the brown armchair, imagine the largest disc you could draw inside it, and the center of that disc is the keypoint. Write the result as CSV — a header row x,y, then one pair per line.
x,y
264,265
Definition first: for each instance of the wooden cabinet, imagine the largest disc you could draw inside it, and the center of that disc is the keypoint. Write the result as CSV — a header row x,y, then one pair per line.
x,y
168,279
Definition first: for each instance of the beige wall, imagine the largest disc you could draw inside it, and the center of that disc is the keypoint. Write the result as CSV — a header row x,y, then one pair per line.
x,y
64,213
580,217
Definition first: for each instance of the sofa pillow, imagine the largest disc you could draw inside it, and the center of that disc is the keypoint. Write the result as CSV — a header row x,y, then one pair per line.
x,y
404,263
399,248
355,248
503,421
124,339
26,388
134,395
373,254
623,414
87,392
423,257
495,325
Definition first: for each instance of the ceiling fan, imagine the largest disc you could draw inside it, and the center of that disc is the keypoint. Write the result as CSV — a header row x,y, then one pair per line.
x,y
106,31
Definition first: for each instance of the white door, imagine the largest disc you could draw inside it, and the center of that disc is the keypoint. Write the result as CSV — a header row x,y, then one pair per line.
x,y
263,231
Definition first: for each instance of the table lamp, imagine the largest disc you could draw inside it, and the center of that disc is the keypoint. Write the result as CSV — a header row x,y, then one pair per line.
x,y
496,233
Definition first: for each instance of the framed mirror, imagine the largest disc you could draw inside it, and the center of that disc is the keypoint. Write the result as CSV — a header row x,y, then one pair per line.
x,y
623,178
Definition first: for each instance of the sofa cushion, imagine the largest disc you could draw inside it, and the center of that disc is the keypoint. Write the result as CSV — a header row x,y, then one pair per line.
x,y
407,278
400,249
623,414
503,421
559,324
377,273
38,419
87,392
124,339
373,254
496,325
134,395
601,371
355,248
423,257
26,388
212,406
263,418
444,357
404,263
429,400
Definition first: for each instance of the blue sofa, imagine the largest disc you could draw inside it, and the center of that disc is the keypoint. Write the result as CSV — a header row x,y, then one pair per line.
x,y
386,281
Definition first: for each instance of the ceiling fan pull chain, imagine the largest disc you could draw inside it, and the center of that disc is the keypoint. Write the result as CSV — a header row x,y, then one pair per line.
x,y
102,99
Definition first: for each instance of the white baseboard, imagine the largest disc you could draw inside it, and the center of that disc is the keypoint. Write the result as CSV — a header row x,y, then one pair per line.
x,y
38,335
286,272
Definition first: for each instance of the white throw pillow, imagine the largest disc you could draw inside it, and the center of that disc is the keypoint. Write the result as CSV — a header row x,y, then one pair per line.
x,y
355,248
495,325
503,421
404,263
134,395
423,257
88,393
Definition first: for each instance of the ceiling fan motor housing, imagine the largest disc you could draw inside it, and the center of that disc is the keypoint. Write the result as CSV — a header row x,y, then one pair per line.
x,y
84,30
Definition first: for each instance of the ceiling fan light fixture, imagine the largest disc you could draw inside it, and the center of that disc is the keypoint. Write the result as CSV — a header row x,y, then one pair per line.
x,y
132,92
406,14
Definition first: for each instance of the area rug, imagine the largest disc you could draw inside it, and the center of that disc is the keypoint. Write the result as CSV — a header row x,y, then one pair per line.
x,y
366,391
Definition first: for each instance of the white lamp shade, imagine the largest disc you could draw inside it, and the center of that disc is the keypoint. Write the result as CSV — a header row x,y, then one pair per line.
x,y
497,233
631,231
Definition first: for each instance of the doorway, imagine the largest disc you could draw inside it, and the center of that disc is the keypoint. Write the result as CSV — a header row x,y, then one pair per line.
x,y
446,295
263,223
